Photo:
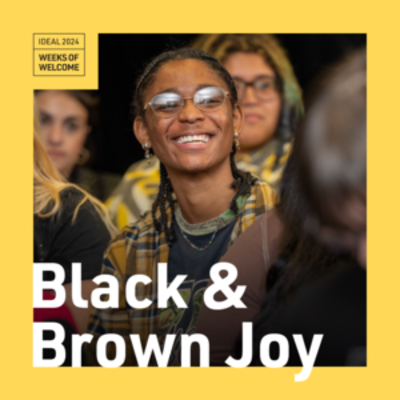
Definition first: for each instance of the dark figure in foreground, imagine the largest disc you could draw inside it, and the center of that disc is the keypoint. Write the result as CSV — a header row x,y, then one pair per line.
x,y
301,261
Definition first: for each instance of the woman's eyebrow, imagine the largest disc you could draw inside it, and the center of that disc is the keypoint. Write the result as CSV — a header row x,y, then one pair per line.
x,y
176,90
70,118
169,90
204,85
255,78
45,114
73,118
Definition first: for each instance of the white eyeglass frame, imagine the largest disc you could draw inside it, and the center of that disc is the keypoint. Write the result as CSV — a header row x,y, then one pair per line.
x,y
226,94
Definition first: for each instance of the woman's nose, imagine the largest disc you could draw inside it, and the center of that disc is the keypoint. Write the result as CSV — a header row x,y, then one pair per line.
x,y
55,134
249,96
190,113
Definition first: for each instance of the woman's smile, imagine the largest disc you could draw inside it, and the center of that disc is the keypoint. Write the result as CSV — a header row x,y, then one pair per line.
x,y
193,140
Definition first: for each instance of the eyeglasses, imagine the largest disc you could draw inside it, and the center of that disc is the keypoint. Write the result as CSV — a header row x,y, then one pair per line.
x,y
208,99
265,87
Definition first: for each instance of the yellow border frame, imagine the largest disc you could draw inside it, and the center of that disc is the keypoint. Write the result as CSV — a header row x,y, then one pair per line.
x,y
20,21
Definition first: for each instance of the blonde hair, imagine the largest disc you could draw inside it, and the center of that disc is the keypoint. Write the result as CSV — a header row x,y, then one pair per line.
x,y
48,185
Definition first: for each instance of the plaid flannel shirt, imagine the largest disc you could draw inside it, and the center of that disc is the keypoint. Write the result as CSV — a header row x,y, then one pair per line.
x,y
137,249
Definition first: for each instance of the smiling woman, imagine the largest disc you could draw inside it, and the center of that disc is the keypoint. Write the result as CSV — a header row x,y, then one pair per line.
x,y
186,111
271,100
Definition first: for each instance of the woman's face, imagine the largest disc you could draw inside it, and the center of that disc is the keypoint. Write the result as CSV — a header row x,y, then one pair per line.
x,y
63,128
173,138
261,117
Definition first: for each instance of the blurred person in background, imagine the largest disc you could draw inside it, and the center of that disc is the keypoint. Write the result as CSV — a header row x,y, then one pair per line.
x,y
70,226
333,159
270,97
301,261
318,297
67,118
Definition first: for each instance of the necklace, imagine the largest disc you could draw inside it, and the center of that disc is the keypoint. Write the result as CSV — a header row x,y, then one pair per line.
x,y
218,222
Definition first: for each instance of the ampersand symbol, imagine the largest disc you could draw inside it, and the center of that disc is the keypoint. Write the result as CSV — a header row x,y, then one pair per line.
x,y
222,285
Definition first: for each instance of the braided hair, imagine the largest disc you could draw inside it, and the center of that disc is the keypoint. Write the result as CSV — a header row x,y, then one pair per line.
x,y
242,180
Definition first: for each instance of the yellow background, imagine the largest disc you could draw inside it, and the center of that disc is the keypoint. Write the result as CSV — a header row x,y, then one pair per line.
x,y
380,20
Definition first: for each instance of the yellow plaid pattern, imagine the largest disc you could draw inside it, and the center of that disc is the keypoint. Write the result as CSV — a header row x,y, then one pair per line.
x,y
137,249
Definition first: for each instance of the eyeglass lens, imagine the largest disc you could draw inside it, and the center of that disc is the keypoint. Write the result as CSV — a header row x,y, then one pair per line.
x,y
264,87
207,99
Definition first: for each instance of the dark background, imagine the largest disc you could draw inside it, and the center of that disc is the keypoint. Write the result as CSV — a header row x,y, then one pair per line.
x,y
122,57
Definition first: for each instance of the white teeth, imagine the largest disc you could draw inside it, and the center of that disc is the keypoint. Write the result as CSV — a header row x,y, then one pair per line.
x,y
194,139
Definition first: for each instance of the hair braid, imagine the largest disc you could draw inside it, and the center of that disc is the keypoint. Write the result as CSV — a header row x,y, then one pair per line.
x,y
243,181
153,212
170,233
164,194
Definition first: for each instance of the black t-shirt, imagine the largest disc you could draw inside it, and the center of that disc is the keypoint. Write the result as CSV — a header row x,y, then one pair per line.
x,y
185,260
60,240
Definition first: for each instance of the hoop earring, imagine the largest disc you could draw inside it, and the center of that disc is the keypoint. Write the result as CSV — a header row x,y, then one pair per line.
x,y
146,147
84,156
236,140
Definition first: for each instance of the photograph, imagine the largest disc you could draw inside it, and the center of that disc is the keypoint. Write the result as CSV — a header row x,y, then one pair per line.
x,y
190,142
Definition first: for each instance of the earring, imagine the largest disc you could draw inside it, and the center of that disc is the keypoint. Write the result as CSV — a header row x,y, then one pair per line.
x,y
147,154
236,140
84,156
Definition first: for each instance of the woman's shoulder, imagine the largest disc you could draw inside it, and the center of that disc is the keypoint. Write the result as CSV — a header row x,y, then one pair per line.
x,y
70,198
71,195
262,194
137,231
75,232
259,183
79,210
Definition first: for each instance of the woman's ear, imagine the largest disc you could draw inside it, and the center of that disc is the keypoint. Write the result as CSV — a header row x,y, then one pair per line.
x,y
140,130
238,118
